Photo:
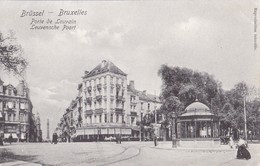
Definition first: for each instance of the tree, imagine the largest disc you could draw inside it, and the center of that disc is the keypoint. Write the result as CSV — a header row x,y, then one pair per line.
x,y
11,59
188,85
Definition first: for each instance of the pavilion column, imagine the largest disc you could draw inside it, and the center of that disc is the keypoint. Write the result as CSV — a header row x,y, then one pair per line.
x,y
218,128
201,129
207,126
185,130
211,128
195,128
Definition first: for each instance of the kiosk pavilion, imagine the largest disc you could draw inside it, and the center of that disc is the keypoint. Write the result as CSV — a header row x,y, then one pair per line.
x,y
198,127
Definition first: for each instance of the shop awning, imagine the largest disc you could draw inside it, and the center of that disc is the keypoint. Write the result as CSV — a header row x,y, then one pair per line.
x,y
126,131
22,136
6,135
85,132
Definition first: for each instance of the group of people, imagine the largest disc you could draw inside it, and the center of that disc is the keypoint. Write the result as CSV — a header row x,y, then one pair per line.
x,y
241,145
10,139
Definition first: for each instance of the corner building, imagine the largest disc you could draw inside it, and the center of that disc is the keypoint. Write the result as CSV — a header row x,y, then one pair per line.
x,y
15,112
106,108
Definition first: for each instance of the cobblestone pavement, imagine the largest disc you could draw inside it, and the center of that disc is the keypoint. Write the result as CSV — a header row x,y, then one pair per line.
x,y
127,153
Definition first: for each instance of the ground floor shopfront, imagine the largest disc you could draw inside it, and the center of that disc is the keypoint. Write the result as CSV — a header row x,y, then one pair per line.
x,y
101,133
18,131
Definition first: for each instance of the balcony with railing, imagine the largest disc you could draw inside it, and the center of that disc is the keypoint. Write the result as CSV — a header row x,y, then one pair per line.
x,y
88,112
99,86
133,102
79,109
118,86
119,110
112,85
112,97
99,111
99,98
120,98
133,113
89,100
89,88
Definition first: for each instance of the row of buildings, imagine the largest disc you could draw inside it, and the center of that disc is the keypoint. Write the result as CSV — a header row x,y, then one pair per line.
x,y
16,115
106,105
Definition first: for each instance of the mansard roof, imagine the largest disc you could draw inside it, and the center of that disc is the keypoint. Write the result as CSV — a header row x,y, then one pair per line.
x,y
103,67
143,95
1,81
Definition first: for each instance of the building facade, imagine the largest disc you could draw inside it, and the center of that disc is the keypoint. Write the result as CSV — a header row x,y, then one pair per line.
x,y
106,106
16,116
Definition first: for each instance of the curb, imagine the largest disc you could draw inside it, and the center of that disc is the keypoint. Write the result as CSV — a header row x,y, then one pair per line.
x,y
195,149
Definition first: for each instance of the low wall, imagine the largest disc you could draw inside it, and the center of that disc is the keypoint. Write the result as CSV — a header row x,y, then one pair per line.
x,y
199,142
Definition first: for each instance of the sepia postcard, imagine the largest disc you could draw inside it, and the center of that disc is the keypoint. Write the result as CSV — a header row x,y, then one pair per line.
x,y
113,82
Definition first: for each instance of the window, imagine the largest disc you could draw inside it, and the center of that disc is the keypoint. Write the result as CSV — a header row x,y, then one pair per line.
x,y
148,106
142,106
95,118
111,90
123,119
14,117
4,104
117,118
14,104
105,118
142,116
100,118
90,119
111,118
9,117
132,120
9,92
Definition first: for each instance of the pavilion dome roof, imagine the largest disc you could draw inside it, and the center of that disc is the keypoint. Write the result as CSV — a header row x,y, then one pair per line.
x,y
197,108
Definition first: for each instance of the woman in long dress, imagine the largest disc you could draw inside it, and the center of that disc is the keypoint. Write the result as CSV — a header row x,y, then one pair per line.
x,y
242,152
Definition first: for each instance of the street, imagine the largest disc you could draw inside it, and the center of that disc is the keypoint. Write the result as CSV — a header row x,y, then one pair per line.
x,y
127,153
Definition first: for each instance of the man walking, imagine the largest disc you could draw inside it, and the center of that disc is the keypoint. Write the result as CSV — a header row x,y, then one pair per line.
x,y
10,138
155,140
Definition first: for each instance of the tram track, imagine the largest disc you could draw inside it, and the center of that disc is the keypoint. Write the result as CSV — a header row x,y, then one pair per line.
x,y
127,158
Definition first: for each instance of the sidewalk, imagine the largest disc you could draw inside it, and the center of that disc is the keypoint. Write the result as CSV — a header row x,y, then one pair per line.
x,y
168,146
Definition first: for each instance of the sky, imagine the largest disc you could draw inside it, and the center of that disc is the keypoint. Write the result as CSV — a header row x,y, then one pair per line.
x,y
216,37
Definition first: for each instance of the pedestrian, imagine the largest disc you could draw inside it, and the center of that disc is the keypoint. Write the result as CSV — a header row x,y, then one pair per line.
x,y
155,140
117,139
10,138
54,138
231,142
120,138
242,152
1,141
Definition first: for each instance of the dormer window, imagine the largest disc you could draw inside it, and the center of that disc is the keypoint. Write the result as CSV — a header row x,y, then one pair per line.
x,y
22,106
9,92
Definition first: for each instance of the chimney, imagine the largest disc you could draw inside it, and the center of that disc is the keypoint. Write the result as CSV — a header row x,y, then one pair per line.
x,y
144,92
1,86
132,84
103,63
86,72
21,88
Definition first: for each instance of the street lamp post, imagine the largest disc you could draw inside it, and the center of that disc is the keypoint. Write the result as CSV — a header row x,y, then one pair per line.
x,y
245,116
174,144
244,98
